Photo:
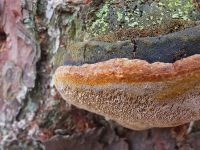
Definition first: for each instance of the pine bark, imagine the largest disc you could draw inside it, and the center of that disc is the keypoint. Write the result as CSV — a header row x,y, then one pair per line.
x,y
35,36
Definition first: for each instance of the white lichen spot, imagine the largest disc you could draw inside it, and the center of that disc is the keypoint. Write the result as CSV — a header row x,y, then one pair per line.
x,y
22,93
52,88
49,11
51,5
21,124
54,33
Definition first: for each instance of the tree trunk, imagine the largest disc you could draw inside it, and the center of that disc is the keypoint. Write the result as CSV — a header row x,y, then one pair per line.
x,y
37,36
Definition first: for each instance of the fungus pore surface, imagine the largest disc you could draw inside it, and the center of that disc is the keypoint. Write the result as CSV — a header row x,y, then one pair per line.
x,y
136,94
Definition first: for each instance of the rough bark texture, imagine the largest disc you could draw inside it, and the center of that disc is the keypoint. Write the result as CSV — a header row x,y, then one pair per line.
x,y
34,37
163,48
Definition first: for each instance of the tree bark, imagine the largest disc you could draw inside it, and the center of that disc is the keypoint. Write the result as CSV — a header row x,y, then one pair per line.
x,y
39,35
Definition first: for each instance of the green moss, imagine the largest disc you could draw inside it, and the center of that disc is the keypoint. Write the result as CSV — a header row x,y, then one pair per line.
x,y
112,15
59,57
101,23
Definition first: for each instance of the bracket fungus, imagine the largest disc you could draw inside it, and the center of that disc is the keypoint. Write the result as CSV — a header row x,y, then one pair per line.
x,y
135,93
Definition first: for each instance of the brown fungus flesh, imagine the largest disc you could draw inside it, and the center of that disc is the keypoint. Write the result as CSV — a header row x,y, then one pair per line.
x,y
136,94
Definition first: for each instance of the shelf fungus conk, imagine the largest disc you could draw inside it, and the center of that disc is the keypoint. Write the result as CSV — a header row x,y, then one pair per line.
x,y
136,94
